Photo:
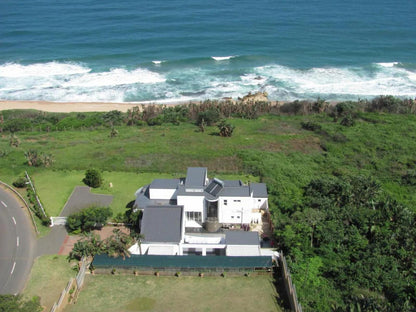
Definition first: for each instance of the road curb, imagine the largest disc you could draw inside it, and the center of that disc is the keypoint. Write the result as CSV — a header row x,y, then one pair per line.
x,y
7,186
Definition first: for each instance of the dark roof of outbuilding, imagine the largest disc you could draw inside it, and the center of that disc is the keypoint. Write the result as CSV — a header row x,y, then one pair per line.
x,y
242,238
259,190
162,224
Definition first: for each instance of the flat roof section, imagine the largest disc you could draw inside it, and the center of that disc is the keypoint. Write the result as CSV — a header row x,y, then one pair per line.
x,y
242,238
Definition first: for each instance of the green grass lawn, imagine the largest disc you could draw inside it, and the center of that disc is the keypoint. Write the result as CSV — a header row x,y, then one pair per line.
x,y
55,187
149,293
49,276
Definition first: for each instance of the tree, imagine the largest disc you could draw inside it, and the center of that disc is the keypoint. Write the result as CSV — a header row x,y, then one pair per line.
x,y
113,133
226,129
118,244
14,140
138,239
88,219
88,246
93,178
11,303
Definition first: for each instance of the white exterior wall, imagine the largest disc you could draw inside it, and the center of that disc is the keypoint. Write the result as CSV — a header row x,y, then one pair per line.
x,y
260,203
192,203
238,210
242,250
161,193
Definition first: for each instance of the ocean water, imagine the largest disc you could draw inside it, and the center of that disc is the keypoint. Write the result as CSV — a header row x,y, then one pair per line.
x,y
164,51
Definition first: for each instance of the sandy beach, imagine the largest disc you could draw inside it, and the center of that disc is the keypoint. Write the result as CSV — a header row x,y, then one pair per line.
x,y
67,107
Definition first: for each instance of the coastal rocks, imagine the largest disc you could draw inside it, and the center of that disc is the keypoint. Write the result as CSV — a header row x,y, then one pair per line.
x,y
256,97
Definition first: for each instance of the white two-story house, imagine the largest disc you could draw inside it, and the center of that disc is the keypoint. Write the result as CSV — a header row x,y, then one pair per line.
x,y
173,207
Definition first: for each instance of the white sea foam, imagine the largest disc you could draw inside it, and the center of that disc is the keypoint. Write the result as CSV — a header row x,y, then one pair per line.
x,y
157,62
222,58
391,64
76,82
115,77
71,82
340,81
13,70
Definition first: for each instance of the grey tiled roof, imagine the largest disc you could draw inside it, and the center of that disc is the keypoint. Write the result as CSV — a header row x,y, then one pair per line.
x,y
242,238
259,190
242,191
195,177
165,184
162,224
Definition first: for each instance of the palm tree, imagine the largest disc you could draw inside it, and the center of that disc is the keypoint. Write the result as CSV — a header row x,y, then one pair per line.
x,y
138,237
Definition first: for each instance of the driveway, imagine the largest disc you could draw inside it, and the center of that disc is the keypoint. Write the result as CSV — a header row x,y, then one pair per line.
x,y
17,243
80,198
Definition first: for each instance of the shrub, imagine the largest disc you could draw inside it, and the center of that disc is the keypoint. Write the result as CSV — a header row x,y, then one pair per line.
x,y
210,117
311,126
409,178
88,219
93,178
20,182
348,121
226,129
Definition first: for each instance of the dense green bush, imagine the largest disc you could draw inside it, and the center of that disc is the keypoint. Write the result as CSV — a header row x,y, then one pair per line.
x,y
311,126
88,219
20,182
226,129
16,303
210,117
350,245
93,178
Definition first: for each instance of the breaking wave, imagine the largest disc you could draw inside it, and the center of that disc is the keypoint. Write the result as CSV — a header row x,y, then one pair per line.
x,y
198,79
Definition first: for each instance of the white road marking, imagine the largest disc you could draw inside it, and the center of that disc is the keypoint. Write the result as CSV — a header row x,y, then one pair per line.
x,y
4,204
14,220
14,264
17,241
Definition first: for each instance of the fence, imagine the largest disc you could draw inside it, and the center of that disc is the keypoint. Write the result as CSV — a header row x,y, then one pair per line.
x,y
36,194
58,221
72,289
290,287
24,201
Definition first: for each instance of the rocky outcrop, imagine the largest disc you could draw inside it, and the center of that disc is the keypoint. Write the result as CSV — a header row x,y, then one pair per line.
x,y
256,97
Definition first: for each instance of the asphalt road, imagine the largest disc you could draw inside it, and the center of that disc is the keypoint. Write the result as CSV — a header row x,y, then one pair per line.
x,y
17,244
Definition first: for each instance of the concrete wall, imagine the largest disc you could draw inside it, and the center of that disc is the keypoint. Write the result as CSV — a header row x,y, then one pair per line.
x,y
237,210
242,250
192,203
161,193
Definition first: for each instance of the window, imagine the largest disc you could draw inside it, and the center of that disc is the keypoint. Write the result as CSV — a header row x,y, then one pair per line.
x,y
237,200
259,200
238,217
193,216
225,202
232,217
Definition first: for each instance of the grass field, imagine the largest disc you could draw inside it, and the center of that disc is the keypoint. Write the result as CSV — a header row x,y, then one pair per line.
x,y
149,293
55,187
49,276
378,145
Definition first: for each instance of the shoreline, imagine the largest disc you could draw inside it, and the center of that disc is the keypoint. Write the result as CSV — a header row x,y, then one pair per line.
x,y
78,107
